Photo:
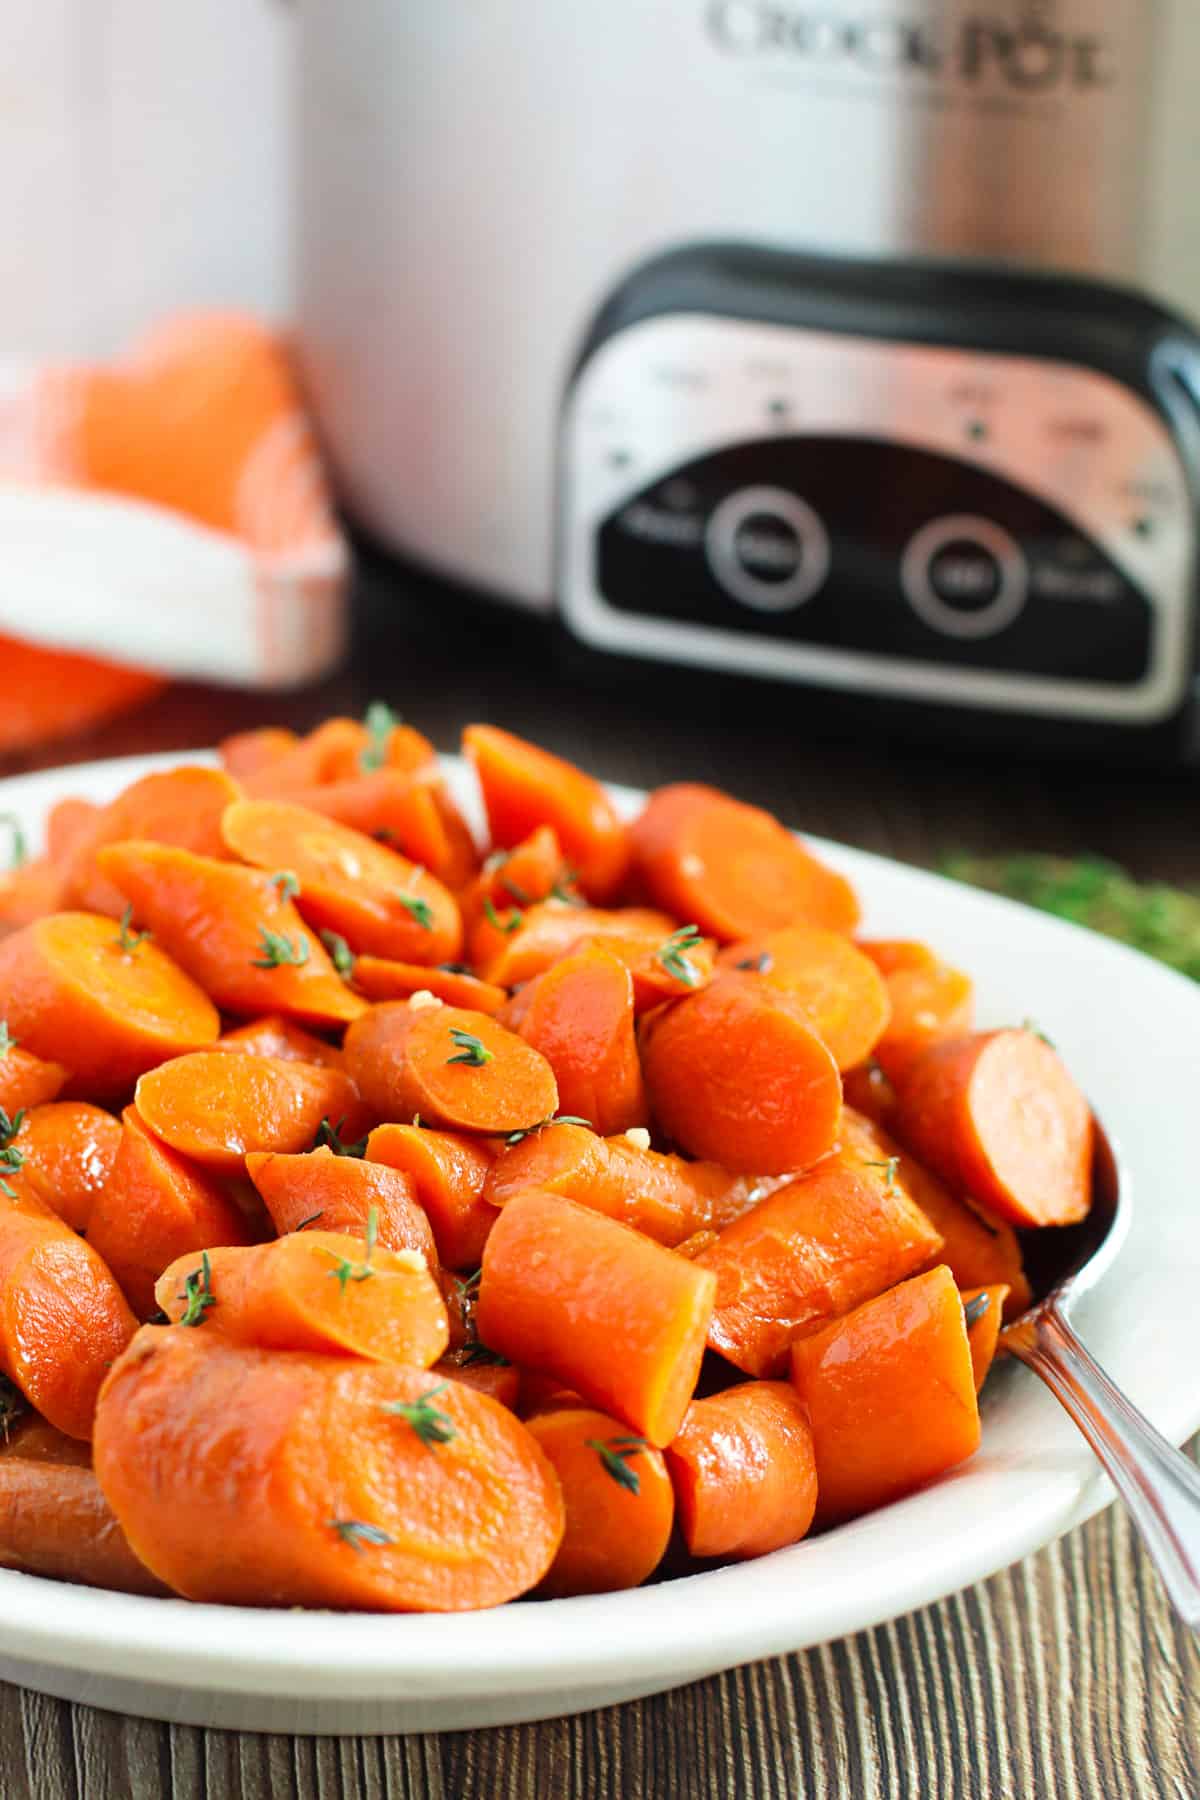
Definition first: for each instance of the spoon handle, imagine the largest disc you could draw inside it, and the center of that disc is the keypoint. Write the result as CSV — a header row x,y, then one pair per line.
x,y
1159,1484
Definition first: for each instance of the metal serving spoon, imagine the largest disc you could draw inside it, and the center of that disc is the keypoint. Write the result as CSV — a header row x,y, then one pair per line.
x,y
1159,1484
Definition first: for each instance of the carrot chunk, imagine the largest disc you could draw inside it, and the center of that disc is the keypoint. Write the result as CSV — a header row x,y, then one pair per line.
x,y
277,1035
380,979
618,1501
929,1000
457,1069
338,1193
983,1309
25,1080
67,1150
524,787
55,1522
448,1172
580,1016
215,1108
743,1470
180,806
841,992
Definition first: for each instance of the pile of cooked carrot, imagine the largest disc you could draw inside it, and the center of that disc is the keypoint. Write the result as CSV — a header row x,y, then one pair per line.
x,y
389,1223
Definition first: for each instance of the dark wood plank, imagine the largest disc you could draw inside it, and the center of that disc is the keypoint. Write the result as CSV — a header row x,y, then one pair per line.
x,y
1065,1678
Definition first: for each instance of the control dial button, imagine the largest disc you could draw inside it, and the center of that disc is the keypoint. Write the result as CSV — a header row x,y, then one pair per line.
x,y
964,576
767,548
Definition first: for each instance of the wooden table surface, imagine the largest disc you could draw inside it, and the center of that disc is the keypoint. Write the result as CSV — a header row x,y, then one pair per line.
x,y
1064,1678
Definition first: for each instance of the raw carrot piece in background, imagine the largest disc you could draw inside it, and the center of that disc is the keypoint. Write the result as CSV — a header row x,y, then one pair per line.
x,y
214,1107
380,979
180,806
598,1305
338,1193
983,1310
526,941
68,822
63,1318
525,786
277,1035
55,1522
53,694
732,869
890,1394
67,1151
832,1238
998,1117
737,1075
448,1173
320,1291
841,991
978,1249
929,1000
249,752
348,883
618,1500
743,1470
77,990
457,1069
25,1080
272,1478
579,1015
664,1196
233,931
155,1206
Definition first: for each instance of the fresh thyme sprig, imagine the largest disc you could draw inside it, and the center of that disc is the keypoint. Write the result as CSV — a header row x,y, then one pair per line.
x,y
515,1137
380,722
673,955
974,1310
7,1040
288,884
507,926
329,1137
11,1159
472,1050
197,1291
344,1270
127,939
340,953
616,1455
278,948
431,1425
418,910
478,1352
358,1535
19,845
890,1170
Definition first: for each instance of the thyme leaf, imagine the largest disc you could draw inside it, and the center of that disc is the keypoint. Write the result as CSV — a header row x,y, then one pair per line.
x,y
340,953
673,955
380,722
197,1291
7,1040
616,1455
974,1310
890,1169
278,949
473,1051
18,843
516,1137
431,1425
507,926
128,940
358,1535
288,884
344,1270
419,910
329,1137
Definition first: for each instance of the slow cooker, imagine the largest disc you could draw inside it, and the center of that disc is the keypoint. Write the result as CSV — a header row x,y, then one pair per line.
x,y
846,342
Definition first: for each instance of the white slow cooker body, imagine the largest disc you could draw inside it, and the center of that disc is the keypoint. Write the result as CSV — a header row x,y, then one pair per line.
x,y
476,179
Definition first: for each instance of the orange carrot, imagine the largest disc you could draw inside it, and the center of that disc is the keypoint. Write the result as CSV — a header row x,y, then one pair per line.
x,y
599,1306
249,752
815,1248
25,1080
662,968
339,1193
77,990
154,1207
276,1035
402,811
215,1108
524,787
31,1439
890,1395
743,1471
30,892
737,1075
379,979
68,822
180,806
732,869
348,883
62,1316
579,1015
618,1500
497,1378
522,942
313,1290
983,1309
929,1000
664,1196
979,1250
531,871
448,1173
67,1150
998,1117
272,1478
841,991
55,1522
455,1068
234,932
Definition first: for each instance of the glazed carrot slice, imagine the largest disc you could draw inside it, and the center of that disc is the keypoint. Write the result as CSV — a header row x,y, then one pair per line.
x,y
348,883
732,869
379,979
180,806
68,823
457,1069
28,893
743,1470
664,1196
320,1291
618,1500
812,1250
233,930
496,1378
998,1117
598,1305
843,994
342,750
736,1074
155,1206
521,943
524,787
532,870
76,990
67,1150
890,1394
983,1310
30,1438
929,1000
339,1193
662,968
448,1173
273,1478
215,1108
249,752
580,1016
277,1035
25,1080
978,1249
62,1316
402,811
55,1522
